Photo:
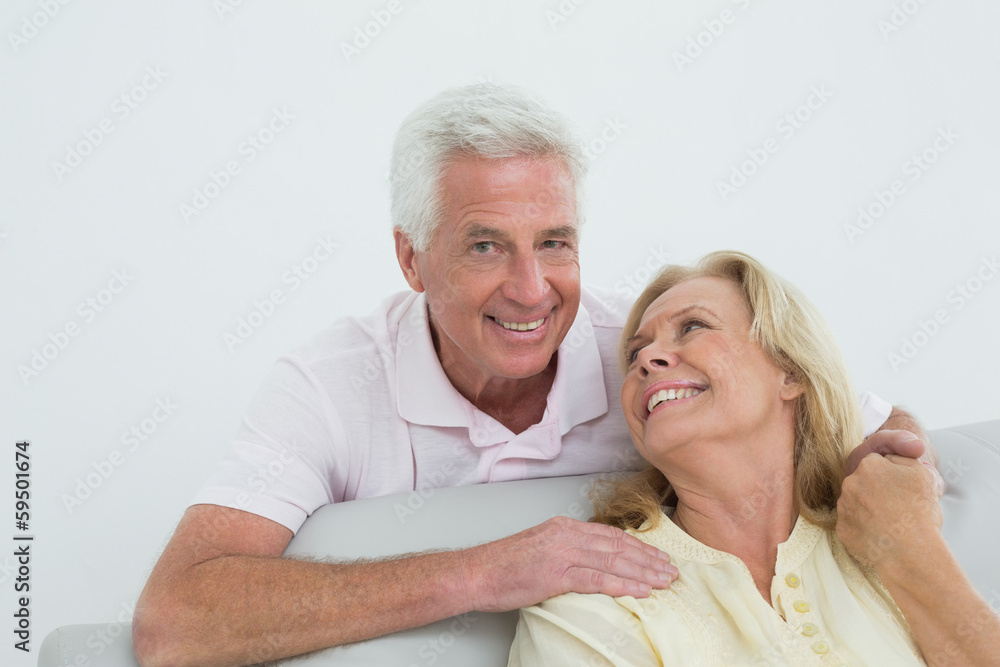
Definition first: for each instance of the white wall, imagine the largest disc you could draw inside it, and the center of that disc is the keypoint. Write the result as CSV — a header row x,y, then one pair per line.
x,y
653,189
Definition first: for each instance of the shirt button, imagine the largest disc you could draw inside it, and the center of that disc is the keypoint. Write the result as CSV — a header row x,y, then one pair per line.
x,y
801,606
792,581
821,648
809,629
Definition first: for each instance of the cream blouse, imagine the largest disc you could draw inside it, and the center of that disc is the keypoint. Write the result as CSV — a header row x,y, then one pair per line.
x,y
827,610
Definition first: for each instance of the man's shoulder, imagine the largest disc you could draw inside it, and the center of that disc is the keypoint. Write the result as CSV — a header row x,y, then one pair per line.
x,y
607,308
353,336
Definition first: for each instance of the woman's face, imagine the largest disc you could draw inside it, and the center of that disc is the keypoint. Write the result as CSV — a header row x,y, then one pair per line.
x,y
696,377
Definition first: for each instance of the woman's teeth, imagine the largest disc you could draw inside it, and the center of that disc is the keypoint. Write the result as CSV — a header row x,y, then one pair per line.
x,y
671,395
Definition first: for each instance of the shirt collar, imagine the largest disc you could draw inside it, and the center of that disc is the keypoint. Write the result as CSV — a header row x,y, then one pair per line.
x,y
425,395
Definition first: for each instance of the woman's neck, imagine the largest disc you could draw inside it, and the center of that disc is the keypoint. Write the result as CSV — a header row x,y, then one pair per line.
x,y
747,513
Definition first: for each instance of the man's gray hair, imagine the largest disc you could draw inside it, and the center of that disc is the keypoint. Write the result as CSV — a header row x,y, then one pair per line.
x,y
489,120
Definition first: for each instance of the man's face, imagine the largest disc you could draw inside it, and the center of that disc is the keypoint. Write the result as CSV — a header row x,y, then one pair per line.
x,y
502,274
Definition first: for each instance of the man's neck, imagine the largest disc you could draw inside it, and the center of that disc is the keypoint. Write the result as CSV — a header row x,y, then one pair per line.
x,y
516,403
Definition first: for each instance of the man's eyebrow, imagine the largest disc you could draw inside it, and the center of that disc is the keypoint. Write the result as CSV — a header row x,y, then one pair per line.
x,y
476,230
560,232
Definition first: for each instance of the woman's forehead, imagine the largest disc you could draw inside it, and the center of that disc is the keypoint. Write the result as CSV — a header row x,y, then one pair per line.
x,y
719,296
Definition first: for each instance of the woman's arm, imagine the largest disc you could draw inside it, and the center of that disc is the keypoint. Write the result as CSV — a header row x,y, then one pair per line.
x,y
889,519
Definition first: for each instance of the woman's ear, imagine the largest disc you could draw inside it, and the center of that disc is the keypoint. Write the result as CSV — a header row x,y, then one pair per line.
x,y
790,388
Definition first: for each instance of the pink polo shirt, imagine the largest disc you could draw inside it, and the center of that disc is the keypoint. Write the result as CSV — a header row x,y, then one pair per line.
x,y
364,409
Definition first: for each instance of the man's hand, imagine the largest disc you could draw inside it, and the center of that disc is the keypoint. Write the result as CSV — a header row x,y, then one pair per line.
x,y
887,509
559,556
900,443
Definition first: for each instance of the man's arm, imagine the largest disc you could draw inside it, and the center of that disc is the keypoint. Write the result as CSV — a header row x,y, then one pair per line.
x,y
889,519
220,593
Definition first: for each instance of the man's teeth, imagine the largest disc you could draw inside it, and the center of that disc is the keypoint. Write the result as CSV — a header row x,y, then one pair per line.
x,y
670,395
520,326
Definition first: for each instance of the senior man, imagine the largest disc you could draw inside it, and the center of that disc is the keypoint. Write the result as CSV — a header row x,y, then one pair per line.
x,y
497,366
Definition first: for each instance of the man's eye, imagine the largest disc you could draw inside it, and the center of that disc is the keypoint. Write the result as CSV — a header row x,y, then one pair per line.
x,y
552,244
482,247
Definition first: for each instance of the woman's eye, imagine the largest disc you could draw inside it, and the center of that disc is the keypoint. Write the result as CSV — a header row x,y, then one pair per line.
x,y
482,247
690,325
632,355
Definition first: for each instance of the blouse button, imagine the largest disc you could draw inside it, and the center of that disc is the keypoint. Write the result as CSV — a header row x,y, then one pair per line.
x,y
792,581
809,629
821,648
801,606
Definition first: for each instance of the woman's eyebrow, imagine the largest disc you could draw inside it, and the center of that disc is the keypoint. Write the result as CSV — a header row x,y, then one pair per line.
x,y
688,309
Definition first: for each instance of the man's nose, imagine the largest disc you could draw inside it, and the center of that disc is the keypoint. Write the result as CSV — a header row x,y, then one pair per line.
x,y
527,282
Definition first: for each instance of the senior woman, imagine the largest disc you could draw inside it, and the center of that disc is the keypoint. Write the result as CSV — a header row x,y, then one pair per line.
x,y
736,394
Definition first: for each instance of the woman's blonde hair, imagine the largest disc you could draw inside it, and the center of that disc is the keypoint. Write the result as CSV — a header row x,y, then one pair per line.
x,y
795,336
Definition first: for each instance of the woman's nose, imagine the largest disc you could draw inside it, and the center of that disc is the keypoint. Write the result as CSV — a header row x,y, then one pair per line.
x,y
655,357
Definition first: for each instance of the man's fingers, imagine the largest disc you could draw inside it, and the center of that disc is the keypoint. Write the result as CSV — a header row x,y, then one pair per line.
x,y
621,557
883,443
583,580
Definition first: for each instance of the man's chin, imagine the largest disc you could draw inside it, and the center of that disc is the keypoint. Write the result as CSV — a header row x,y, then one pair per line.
x,y
514,368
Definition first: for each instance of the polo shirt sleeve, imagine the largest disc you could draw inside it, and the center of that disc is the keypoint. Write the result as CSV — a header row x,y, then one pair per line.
x,y
874,412
289,456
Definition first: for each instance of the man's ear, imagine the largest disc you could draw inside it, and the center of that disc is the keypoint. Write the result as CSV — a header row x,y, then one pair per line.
x,y
791,388
407,256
